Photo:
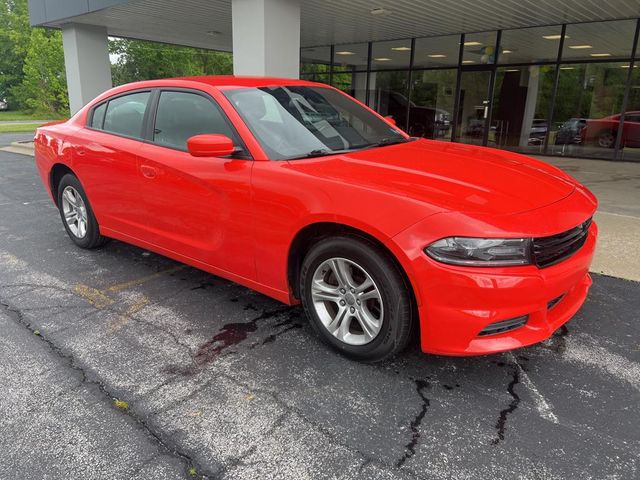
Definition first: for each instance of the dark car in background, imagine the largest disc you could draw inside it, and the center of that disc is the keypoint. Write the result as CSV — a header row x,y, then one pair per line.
x,y
424,122
538,131
570,132
4,105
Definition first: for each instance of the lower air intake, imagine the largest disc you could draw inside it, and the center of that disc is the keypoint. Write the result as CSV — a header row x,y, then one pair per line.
x,y
504,326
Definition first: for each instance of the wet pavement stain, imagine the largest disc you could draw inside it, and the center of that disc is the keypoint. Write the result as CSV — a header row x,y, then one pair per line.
x,y
232,334
558,343
410,448
513,405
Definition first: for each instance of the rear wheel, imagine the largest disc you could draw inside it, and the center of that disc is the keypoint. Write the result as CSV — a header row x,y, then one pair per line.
x,y
356,298
76,213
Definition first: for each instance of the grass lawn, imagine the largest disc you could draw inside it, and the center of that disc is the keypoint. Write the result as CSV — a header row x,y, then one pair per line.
x,y
19,127
16,115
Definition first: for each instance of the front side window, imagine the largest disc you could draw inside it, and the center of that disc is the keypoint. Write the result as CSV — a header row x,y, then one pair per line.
x,y
182,115
125,114
297,121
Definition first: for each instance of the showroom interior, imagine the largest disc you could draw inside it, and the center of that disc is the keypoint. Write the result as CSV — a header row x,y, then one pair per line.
x,y
556,90
540,78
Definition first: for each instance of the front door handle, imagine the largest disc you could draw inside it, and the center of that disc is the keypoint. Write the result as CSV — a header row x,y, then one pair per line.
x,y
149,171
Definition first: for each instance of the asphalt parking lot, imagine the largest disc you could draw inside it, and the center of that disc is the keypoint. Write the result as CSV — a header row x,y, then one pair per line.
x,y
119,363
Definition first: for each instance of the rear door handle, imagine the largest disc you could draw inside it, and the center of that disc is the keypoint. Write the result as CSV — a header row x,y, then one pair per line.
x,y
149,171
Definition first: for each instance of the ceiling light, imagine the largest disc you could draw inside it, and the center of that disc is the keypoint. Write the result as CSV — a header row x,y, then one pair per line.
x,y
628,66
600,54
513,70
345,52
401,49
554,37
580,47
380,12
507,51
468,61
567,68
472,44
436,55
382,59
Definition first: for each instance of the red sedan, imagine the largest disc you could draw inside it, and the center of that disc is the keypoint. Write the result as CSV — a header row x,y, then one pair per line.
x,y
300,192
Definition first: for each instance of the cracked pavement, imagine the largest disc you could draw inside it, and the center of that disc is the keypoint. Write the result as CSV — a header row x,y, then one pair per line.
x,y
222,382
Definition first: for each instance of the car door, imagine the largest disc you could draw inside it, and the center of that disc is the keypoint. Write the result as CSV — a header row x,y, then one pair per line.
x,y
198,207
631,130
106,162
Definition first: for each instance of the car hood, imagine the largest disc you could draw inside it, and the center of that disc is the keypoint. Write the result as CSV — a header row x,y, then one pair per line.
x,y
448,176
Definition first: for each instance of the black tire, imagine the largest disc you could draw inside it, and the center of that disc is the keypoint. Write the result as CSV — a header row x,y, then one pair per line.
x,y
397,320
92,238
606,139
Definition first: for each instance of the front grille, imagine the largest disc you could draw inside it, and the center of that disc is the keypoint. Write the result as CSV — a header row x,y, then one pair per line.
x,y
504,326
548,251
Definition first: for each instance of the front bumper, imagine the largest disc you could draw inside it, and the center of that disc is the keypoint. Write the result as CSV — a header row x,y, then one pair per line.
x,y
456,303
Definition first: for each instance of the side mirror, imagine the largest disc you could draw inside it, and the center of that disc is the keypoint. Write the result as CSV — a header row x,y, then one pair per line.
x,y
210,145
390,119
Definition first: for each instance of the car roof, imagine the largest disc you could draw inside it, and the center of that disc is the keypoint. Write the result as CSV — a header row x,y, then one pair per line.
x,y
235,81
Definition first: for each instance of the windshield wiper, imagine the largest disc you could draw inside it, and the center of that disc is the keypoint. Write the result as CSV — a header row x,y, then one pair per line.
x,y
392,141
320,152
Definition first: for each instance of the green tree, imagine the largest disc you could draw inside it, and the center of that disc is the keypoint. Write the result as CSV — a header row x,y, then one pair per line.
x,y
44,86
141,60
15,37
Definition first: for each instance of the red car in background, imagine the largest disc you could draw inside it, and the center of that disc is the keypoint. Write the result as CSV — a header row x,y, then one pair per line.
x,y
603,131
300,192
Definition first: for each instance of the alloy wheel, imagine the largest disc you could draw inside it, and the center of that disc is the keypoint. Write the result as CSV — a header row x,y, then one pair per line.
x,y
74,211
347,301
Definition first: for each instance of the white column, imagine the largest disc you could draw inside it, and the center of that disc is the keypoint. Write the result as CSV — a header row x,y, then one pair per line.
x,y
86,61
532,80
266,37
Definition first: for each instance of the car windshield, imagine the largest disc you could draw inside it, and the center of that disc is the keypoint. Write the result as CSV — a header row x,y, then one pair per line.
x,y
293,122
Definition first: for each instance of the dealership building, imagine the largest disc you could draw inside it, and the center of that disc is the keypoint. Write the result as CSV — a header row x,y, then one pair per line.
x,y
543,77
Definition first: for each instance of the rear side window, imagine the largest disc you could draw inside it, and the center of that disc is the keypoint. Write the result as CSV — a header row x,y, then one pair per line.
x,y
181,115
125,114
98,116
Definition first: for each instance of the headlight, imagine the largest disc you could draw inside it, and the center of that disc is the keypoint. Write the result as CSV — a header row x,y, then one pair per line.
x,y
481,252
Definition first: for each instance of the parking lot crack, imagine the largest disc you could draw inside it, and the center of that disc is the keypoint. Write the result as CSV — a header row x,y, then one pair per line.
x,y
410,448
513,405
165,445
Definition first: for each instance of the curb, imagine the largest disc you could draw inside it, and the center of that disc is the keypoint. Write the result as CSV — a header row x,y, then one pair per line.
x,y
23,148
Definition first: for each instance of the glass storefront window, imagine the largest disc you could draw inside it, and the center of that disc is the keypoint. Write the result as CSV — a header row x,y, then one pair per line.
x,y
599,40
521,101
436,52
355,84
315,60
352,56
474,106
388,95
479,49
587,109
389,55
530,45
432,103
630,145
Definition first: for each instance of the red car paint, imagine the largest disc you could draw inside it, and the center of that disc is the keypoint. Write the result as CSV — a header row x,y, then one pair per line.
x,y
238,218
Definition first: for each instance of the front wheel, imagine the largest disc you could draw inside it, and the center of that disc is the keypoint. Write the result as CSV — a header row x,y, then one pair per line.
x,y
607,139
76,213
356,298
